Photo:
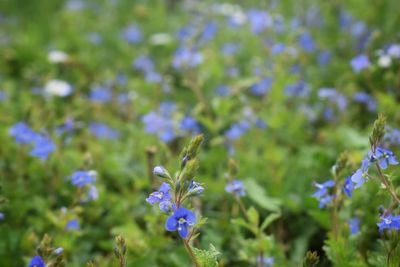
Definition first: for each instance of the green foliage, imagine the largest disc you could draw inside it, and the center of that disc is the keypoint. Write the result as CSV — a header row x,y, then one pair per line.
x,y
207,258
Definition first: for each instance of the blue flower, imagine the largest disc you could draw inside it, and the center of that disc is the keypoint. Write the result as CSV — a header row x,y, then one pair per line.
x,y
82,178
132,34
322,193
259,21
237,130
144,64
265,262
354,225
162,196
236,188
306,42
209,32
72,225
300,89
181,221
324,58
262,87
2,216
58,251
188,124
37,261
160,172
22,133
230,49
366,99
43,147
186,57
195,188
359,176
102,131
100,95
348,187
385,157
389,222
360,63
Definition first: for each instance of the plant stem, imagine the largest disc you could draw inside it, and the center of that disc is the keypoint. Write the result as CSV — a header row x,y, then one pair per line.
x,y
387,184
242,208
190,252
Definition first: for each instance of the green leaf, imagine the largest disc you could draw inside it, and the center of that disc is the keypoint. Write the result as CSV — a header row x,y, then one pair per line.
x,y
254,217
268,220
259,196
207,258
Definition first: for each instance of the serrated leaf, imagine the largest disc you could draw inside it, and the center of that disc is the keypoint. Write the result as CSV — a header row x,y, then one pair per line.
x,y
206,258
259,196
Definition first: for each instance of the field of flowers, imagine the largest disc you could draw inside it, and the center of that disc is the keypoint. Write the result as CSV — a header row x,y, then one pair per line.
x,y
141,133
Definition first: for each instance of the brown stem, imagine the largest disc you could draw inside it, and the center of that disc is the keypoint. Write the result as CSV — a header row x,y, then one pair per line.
x,y
190,252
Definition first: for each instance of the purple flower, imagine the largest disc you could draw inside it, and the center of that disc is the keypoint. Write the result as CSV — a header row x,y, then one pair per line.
x,y
37,261
181,221
162,196
348,187
360,63
236,188
389,222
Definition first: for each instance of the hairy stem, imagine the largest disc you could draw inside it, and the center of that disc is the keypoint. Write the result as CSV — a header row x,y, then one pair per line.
x,y
190,252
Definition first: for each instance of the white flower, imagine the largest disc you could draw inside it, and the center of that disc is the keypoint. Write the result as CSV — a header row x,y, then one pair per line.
x,y
160,38
56,56
58,88
384,61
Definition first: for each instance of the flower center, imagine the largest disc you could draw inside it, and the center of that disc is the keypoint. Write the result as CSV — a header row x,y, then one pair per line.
x,y
387,220
181,221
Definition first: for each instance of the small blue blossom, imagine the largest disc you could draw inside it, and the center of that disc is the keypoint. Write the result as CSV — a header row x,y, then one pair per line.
x,y
385,157
143,63
186,57
354,225
37,261
58,251
67,127
360,63
100,95
389,222
322,193
230,49
22,133
2,216
82,178
188,124
132,34
306,42
72,225
209,32
237,130
366,99
236,188
162,196
259,21
181,221
160,172
195,188
324,58
102,131
359,176
261,88
43,147
265,262
348,187
300,89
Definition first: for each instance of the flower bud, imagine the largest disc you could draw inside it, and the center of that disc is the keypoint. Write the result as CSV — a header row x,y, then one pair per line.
x,y
161,172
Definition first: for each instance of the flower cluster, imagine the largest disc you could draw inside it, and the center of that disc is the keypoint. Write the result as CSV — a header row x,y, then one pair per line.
x,y
173,193
42,145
